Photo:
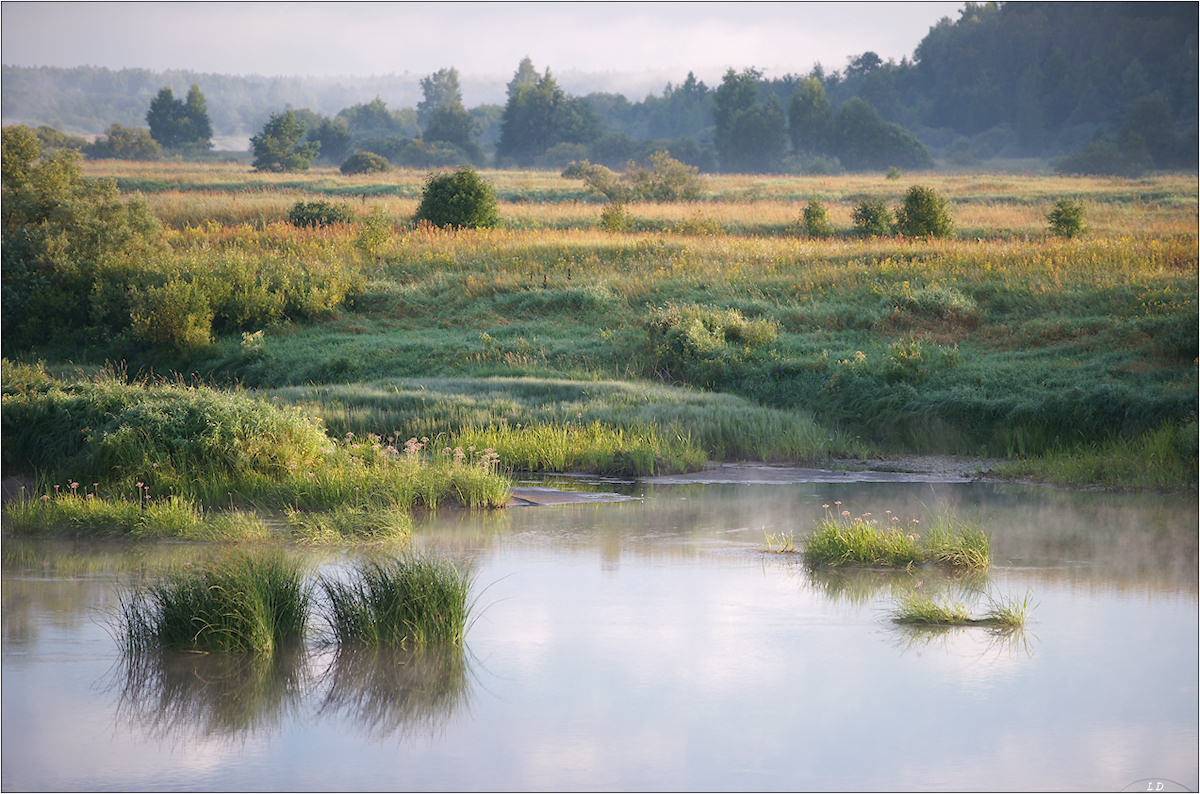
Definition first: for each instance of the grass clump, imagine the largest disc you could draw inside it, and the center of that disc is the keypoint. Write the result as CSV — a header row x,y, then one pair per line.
x,y
922,610
399,601
250,602
845,540
347,522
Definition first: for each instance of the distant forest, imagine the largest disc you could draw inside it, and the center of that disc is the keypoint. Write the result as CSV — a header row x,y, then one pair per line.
x,y
1113,82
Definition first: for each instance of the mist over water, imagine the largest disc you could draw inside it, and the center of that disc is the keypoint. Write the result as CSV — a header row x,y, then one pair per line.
x,y
652,643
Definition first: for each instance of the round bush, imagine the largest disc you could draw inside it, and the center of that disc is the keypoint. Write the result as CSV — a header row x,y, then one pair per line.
x,y
319,213
816,220
872,218
924,214
365,163
458,200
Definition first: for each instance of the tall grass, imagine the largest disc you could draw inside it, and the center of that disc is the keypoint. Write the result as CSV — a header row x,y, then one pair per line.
x,y
841,539
405,601
249,602
920,610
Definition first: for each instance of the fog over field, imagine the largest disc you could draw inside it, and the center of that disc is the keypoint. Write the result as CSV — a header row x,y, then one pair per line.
x,y
631,48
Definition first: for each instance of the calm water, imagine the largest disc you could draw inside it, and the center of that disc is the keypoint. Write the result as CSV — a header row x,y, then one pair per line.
x,y
651,644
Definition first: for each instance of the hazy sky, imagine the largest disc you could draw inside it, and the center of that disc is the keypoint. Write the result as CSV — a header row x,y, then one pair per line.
x,y
659,39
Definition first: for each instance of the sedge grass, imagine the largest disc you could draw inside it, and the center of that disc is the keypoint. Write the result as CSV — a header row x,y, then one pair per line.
x,y
841,539
248,602
346,522
402,601
921,610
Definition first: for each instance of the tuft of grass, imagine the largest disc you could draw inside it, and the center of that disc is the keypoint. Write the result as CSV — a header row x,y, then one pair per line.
x,y
779,543
922,610
404,601
248,602
347,522
841,539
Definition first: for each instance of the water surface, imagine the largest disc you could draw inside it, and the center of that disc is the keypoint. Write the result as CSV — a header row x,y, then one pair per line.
x,y
651,644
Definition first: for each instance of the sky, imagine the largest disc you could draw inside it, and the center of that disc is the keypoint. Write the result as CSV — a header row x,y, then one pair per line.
x,y
634,43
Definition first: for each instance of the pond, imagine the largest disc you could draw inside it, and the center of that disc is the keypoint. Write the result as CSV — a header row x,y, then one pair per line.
x,y
650,643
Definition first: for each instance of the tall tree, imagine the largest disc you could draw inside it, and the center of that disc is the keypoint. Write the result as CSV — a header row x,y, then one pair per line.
x,y
808,117
442,115
539,115
176,124
278,148
749,136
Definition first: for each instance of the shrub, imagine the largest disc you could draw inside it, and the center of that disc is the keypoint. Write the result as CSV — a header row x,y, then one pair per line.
x,y
319,213
1066,219
892,173
177,314
924,214
816,220
872,218
461,200
375,230
365,163
615,217
666,179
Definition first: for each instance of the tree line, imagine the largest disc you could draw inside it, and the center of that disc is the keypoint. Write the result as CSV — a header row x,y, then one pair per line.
x,y
1113,86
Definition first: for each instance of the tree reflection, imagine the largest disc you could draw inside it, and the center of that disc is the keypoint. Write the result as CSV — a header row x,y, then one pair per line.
x,y
390,691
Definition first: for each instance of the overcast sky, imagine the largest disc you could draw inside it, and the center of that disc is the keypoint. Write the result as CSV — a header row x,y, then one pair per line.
x,y
653,40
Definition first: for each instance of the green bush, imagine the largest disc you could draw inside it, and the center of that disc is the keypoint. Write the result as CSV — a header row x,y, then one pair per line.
x,y
365,163
872,218
176,314
462,199
319,213
615,217
1066,219
924,214
706,346
63,235
816,220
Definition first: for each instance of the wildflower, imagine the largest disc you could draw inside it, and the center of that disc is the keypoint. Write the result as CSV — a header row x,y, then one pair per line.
x,y
45,497
846,513
838,503
825,507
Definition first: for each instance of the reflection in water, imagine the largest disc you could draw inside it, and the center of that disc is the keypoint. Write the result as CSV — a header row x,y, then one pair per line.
x,y
861,586
178,694
982,641
386,691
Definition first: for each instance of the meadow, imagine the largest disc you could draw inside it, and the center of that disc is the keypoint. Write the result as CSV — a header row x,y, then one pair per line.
x,y
704,330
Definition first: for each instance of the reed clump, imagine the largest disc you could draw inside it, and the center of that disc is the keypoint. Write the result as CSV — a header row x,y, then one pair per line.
x,y
403,601
842,539
248,602
1004,614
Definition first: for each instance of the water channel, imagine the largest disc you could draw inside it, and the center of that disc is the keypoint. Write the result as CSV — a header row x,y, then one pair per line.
x,y
647,641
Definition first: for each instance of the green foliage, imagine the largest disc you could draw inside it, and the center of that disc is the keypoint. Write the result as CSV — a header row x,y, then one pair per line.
x,y
749,136
176,314
815,220
319,213
374,232
809,117
248,603
863,141
442,116
62,236
277,146
615,217
399,601
708,346
462,200
924,214
892,173
872,218
1066,218
539,115
666,179
125,143
365,163
1102,157
180,125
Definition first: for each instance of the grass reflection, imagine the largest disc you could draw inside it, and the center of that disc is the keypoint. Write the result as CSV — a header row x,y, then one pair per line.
x,y
387,691
180,694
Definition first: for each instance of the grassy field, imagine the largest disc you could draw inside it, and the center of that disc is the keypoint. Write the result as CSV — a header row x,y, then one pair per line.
x,y
708,330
